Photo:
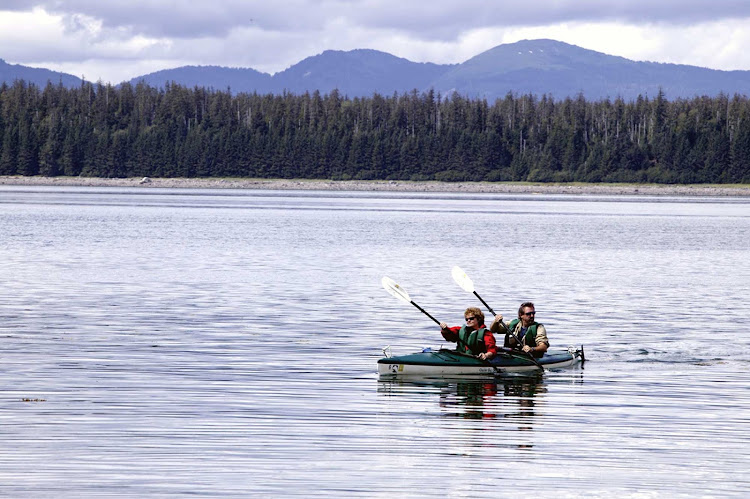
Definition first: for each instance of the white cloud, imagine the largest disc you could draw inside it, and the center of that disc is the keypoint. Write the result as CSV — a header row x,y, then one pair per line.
x,y
717,45
437,19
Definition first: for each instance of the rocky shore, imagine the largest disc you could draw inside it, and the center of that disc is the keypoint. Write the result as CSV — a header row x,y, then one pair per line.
x,y
394,186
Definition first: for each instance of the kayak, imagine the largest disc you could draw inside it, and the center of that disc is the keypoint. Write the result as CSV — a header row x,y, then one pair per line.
x,y
444,362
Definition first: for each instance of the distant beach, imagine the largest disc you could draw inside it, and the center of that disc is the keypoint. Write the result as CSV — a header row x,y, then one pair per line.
x,y
388,185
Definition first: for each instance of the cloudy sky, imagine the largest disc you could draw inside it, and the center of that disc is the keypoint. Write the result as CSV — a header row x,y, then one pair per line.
x,y
115,40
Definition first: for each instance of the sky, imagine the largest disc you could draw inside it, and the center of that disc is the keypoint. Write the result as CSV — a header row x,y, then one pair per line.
x,y
116,40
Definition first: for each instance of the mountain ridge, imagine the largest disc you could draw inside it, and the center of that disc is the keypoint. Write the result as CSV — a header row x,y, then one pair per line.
x,y
542,67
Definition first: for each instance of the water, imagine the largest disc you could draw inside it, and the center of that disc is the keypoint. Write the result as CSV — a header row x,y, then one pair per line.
x,y
224,343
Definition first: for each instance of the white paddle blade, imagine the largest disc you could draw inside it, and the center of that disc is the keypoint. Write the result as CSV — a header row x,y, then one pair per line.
x,y
394,289
462,279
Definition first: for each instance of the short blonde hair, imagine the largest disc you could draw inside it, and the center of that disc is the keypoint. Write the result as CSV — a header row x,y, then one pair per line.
x,y
476,313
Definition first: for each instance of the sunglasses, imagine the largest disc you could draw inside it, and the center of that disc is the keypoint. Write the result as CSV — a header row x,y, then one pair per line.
x,y
468,319
530,313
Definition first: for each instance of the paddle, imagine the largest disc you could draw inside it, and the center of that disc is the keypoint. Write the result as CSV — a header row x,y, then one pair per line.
x,y
393,288
466,284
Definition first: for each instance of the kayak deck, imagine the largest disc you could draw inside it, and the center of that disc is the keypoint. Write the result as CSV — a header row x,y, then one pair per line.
x,y
452,363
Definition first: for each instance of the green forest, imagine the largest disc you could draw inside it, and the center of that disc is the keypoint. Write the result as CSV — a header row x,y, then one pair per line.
x,y
99,130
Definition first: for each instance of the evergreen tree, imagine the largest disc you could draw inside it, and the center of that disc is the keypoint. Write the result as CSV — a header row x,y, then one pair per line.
x,y
101,130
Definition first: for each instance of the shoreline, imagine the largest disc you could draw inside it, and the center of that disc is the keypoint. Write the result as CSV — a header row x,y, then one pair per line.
x,y
712,190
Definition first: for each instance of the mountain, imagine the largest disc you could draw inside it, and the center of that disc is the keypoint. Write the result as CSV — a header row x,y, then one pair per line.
x,y
539,67
216,77
562,70
354,73
12,72
357,73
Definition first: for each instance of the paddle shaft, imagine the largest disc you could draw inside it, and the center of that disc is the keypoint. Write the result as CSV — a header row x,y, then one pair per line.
x,y
524,354
485,303
425,312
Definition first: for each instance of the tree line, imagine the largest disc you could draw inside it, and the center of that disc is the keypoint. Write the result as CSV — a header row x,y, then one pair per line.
x,y
99,130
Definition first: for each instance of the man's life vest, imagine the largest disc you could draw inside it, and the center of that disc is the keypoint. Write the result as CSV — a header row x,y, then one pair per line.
x,y
528,339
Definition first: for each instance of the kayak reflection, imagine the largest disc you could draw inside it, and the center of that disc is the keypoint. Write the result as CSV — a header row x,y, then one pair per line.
x,y
511,397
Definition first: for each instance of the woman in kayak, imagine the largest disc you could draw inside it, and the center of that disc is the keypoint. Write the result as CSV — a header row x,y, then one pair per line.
x,y
473,338
524,333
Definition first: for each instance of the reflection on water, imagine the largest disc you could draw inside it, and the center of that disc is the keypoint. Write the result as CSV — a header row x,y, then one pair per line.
x,y
511,398
220,343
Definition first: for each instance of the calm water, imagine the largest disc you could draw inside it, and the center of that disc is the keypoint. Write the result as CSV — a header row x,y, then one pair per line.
x,y
224,343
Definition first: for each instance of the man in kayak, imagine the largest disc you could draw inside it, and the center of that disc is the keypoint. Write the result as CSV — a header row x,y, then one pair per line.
x,y
473,338
524,333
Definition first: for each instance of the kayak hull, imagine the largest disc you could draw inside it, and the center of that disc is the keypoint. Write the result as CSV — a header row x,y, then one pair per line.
x,y
452,363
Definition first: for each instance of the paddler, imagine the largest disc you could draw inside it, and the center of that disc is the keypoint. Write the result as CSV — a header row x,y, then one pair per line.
x,y
524,333
473,338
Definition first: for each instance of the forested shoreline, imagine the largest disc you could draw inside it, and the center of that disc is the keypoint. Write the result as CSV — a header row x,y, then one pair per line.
x,y
98,130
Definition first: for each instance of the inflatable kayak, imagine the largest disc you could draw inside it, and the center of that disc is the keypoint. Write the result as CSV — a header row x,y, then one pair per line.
x,y
452,363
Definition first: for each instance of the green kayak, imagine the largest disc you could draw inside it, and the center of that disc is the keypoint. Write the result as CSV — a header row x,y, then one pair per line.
x,y
452,363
